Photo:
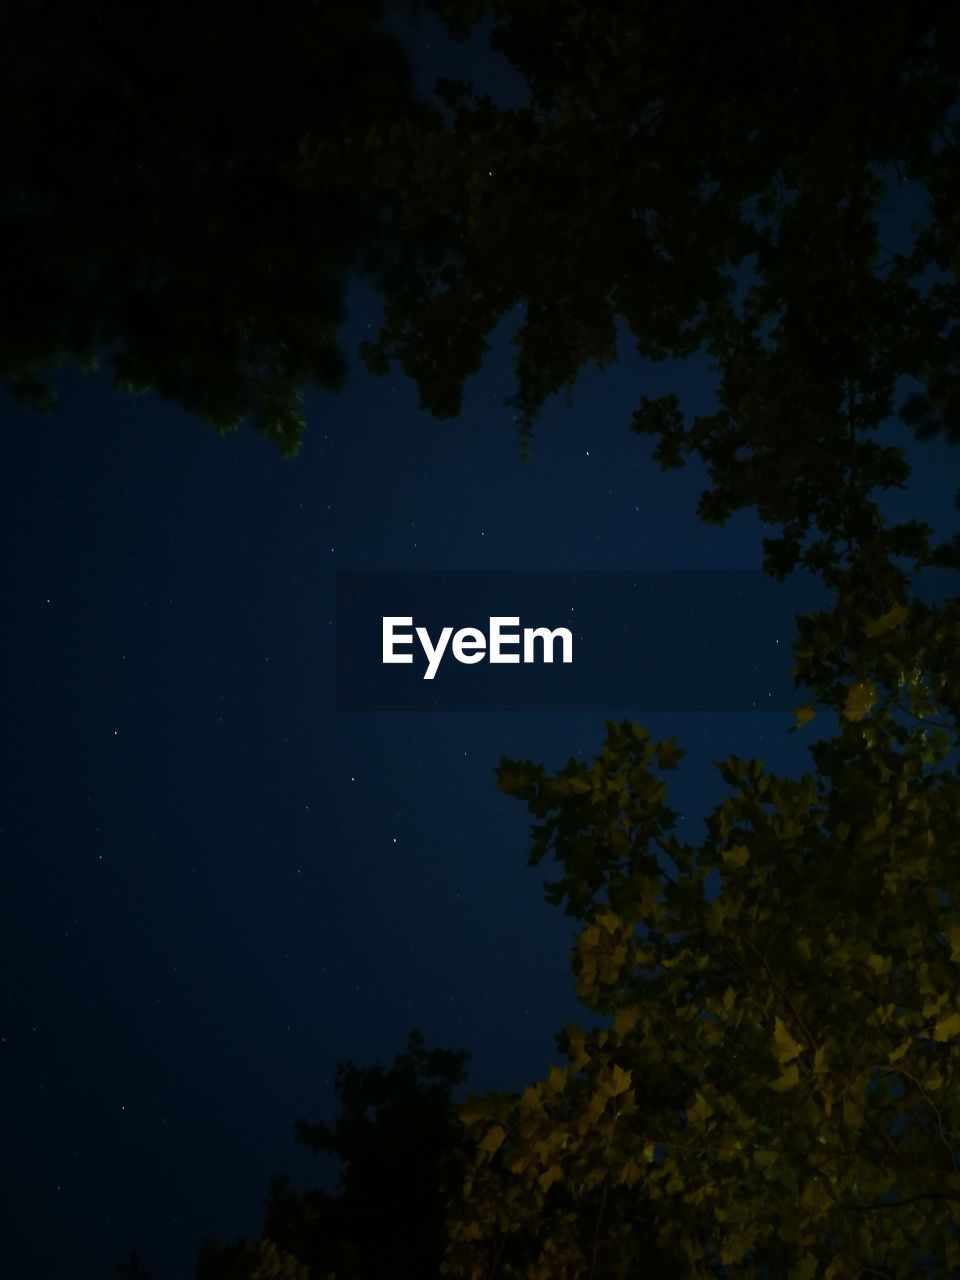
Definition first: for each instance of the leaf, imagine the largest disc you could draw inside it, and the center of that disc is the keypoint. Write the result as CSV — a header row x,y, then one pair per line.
x,y
789,1079
852,1115
625,1019
556,1080
608,920
887,621
738,856
734,1248
861,696
805,1268
669,754
701,1111
785,1047
803,715
574,786
947,1027
492,1140
471,1115
619,1081
896,1054
552,1175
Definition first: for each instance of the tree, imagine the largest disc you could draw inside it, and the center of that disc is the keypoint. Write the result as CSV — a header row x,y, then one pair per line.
x,y
776,1078
709,191
190,188
149,200
772,1090
400,1145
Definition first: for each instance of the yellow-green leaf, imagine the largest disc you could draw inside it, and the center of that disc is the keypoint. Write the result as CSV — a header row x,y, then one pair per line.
x,y
556,1080
784,1046
803,715
805,1269
737,856
625,1019
789,1079
887,621
701,1111
861,696
852,1115
734,1248
619,1080
493,1139
947,1027
896,1054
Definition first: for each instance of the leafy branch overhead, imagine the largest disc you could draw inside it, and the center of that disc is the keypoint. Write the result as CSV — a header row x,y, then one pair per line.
x,y
149,210
701,192
773,1086
663,177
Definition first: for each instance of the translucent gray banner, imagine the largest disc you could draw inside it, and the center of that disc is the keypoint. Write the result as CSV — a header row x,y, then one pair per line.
x,y
480,640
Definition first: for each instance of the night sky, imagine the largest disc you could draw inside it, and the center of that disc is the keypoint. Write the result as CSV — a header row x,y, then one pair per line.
x,y
215,885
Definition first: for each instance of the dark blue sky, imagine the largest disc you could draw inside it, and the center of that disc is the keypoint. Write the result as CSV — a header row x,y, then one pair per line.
x,y
214,885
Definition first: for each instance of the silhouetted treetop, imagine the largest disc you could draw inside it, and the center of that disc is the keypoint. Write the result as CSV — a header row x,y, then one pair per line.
x,y
147,208
706,182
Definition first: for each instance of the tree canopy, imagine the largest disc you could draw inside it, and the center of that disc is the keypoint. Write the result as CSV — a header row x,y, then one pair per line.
x,y
772,1084
398,1140
772,1089
189,188
701,184
150,208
